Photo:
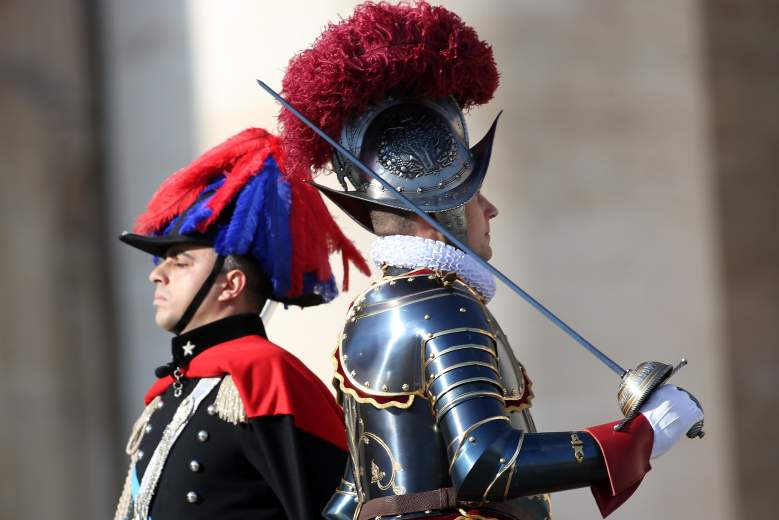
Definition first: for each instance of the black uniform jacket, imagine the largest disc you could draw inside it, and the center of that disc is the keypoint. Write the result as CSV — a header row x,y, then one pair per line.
x,y
282,461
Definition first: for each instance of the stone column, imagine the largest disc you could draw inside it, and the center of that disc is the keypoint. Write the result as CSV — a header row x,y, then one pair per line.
x,y
58,448
744,111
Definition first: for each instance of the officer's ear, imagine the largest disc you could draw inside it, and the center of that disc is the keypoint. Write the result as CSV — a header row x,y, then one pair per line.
x,y
232,286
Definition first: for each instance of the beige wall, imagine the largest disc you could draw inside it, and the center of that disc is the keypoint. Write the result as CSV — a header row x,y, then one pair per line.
x,y
601,173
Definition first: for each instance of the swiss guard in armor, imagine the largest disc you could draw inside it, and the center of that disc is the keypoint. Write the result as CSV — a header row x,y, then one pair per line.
x,y
437,408
235,427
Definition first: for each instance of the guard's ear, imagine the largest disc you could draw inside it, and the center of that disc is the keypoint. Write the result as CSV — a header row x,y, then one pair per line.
x,y
233,285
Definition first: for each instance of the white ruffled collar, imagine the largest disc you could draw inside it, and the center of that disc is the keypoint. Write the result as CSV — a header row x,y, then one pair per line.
x,y
415,252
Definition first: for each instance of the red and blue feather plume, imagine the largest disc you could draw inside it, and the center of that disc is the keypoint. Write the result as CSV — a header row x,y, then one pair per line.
x,y
240,195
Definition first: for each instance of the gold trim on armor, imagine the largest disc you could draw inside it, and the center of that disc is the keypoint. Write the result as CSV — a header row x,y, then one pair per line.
x,y
461,437
363,310
510,465
466,397
473,346
341,386
455,330
464,382
462,365
376,474
578,448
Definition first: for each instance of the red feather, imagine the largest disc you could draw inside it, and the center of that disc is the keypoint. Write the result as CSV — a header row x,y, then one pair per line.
x,y
179,191
383,50
314,233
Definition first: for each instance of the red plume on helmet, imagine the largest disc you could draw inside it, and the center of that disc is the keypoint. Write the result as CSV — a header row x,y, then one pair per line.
x,y
382,50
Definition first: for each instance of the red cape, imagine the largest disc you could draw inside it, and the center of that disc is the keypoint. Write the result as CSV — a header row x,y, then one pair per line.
x,y
270,381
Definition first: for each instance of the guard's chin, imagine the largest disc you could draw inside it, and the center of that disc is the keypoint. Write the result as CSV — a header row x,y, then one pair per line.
x,y
164,320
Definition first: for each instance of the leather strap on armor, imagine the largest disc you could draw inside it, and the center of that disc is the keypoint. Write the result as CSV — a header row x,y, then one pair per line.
x,y
442,498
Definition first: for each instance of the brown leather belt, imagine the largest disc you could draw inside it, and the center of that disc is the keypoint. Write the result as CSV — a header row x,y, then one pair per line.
x,y
443,498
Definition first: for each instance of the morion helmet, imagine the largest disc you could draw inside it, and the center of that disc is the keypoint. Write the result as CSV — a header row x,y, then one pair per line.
x,y
392,82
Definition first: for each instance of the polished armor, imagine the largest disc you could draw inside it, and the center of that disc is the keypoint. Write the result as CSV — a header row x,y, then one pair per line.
x,y
434,399
436,406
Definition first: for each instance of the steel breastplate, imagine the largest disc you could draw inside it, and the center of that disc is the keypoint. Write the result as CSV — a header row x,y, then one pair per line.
x,y
394,443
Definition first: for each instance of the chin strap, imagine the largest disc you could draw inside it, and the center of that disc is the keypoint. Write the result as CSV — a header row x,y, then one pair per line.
x,y
201,294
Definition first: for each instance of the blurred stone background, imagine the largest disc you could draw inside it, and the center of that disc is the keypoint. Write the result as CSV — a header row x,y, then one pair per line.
x,y
635,170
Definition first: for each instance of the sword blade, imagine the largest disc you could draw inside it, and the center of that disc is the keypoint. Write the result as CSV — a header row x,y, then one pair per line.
x,y
581,340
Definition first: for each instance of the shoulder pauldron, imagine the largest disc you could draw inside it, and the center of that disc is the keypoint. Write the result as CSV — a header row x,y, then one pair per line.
x,y
381,354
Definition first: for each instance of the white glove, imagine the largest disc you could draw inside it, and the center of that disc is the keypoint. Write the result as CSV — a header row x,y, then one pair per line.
x,y
671,412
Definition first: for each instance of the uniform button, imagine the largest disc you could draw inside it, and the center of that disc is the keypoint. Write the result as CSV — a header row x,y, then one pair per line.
x,y
194,466
140,454
192,497
148,428
202,436
211,410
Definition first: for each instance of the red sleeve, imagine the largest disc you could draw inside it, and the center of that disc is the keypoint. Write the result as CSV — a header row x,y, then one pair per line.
x,y
626,455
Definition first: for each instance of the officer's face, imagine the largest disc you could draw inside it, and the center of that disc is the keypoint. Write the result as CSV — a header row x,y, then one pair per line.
x,y
177,278
478,213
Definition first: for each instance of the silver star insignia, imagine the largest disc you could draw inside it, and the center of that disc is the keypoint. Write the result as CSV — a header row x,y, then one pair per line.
x,y
188,348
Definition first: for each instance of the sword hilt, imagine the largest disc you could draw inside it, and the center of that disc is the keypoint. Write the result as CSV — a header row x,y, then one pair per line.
x,y
639,383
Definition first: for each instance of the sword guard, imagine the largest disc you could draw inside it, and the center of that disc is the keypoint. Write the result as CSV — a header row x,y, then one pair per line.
x,y
639,383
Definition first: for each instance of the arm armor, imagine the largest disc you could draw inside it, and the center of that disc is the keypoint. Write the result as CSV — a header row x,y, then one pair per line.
x,y
343,504
489,459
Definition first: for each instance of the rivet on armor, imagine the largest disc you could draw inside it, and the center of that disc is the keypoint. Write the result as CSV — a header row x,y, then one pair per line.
x,y
419,190
427,316
410,279
392,282
160,404
405,387
471,439
432,355
139,455
192,497
194,466
429,335
502,460
367,384
346,357
440,184
431,277
202,436
462,309
384,388
357,308
211,410
353,372
147,429
354,319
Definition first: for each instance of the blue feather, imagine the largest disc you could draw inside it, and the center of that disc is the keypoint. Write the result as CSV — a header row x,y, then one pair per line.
x,y
200,211
238,237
